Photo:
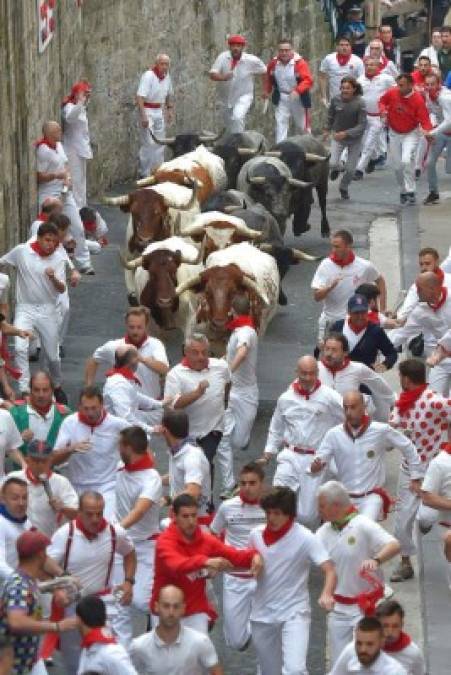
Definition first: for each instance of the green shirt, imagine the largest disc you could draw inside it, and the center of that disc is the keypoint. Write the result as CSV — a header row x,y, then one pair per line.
x,y
444,61
22,419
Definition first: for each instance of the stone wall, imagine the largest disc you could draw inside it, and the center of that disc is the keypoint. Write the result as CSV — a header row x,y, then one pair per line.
x,y
111,42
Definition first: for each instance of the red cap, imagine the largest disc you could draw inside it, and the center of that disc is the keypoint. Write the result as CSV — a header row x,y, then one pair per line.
x,y
236,40
31,542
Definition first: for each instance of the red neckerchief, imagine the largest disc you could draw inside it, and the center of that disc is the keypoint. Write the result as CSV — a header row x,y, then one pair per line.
x,y
446,447
440,274
158,73
240,321
89,535
367,600
270,537
144,462
89,423
343,263
45,141
351,513
336,369
373,317
359,329
100,636
442,300
138,345
365,423
407,399
125,372
42,216
32,478
398,645
37,248
90,226
185,363
434,93
343,59
234,62
42,410
299,389
246,500
370,77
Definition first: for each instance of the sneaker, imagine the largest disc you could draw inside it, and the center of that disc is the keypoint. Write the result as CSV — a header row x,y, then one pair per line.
x,y
60,396
334,174
344,194
89,271
358,175
371,166
403,572
411,198
432,198
380,162
403,197
417,174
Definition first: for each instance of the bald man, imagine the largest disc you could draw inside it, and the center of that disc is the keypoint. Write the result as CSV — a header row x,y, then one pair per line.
x,y
54,180
154,99
358,448
303,414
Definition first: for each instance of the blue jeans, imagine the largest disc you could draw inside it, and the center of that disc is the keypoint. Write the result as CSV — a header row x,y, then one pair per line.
x,y
441,141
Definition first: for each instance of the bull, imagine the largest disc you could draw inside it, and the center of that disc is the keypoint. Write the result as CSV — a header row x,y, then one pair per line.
x,y
308,161
227,198
187,142
236,149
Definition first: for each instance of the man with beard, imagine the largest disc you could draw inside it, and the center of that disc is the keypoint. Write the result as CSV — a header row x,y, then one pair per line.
x,y
398,644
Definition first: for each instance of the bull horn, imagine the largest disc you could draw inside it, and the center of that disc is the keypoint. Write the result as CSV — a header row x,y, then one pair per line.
x,y
130,264
273,153
186,285
116,201
300,255
252,286
211,138
231,208
248,231
162,141
194,186
257,180
247,152
266,248
189,230
295,182
311,157
144,182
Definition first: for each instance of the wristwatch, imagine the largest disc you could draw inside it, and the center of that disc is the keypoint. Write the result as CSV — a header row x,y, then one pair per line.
x,y
130,580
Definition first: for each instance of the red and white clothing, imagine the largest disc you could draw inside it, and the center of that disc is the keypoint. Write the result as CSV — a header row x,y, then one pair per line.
x,y
109,659
123,398
348,662
236,519
337,67
10,438
354,374
352,274
425,422
294,76
10,531
95,469
359,456
188,464
235,96
373,88
154,90
358,540
408,654
77,145
280,615
297,427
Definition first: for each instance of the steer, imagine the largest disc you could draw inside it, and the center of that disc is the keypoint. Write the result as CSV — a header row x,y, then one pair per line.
x,y
187,142
216,230
235,149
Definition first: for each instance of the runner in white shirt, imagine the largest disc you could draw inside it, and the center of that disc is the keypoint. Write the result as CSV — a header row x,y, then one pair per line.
x,y
357,546
335,66
398,644
171,648
236,518
51,206
241,411
337,277
431,51
280,616
86,548
10,441
54,180
336,371
235,70
100,651
364,655
153,361
40,269
154,99
199,385
358,448
76,141
438,101
89,442
436,492
13,521
51,498
302,416
375,50
138,495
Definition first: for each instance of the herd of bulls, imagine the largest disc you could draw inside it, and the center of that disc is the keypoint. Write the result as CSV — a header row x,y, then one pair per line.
x,y
210,223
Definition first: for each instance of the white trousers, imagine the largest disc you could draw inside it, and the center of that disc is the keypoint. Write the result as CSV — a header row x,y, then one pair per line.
x,y
63,307
77,167
239,419
81,253
291,472
286,109
406,511
151,155
282,647
403,149
421,153
341,623
234,116
39,668
369,506
237,597
440,377
371,141
44,321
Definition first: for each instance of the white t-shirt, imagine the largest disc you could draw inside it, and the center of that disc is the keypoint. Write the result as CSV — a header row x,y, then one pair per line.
x,y
206,414
123,397
438,480
97,467
4,288
134,485
39,511
10,437
50,161
335,304
106,659
242,82
152,348
192,653
411,658
238,520
373,88
9,533
190,465
245,376
154,90
349,663
89,559
282,587
76,130
33,285
330,66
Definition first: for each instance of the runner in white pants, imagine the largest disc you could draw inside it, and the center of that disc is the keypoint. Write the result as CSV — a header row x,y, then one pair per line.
x,y
76,142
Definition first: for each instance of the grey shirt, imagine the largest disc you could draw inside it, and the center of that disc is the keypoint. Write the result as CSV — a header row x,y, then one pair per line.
x,y
349,116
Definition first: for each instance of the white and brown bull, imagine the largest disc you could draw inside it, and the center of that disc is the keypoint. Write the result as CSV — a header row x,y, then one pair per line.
x,y
200,165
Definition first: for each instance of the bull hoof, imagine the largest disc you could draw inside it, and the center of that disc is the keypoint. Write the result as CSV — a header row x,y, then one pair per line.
x,y
297,231
283,300
132,300
325,230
